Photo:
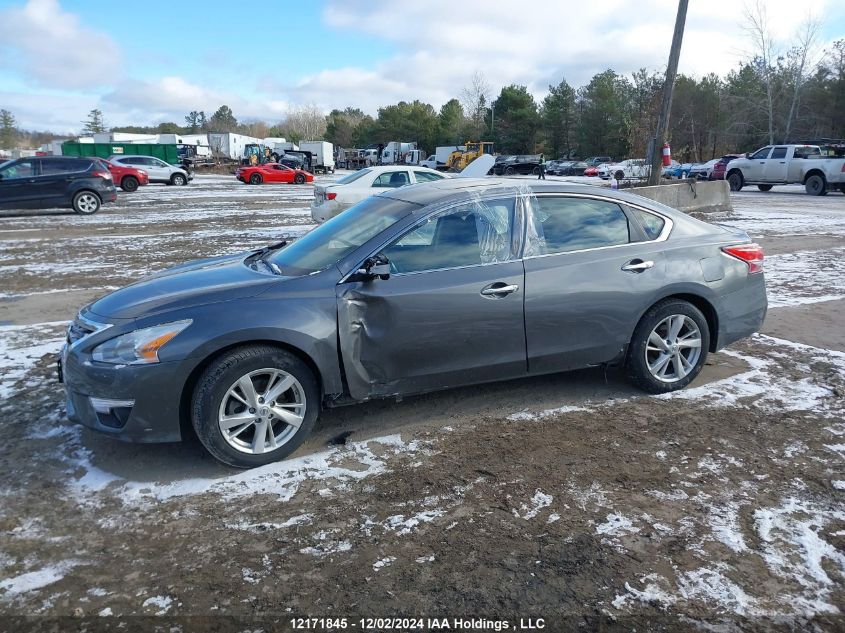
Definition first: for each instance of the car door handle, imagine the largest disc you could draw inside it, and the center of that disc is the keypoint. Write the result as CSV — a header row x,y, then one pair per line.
x,y
637,266
499,289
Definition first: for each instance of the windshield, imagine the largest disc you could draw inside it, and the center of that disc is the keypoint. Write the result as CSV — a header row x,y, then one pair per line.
x,y
330,242
352,177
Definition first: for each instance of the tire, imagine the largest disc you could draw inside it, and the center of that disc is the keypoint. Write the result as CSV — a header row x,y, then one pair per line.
x,y
509,171
619,175
255,179
535,171
764,187
816,185
735,181
178,179
213,400
129,183
299,179
86,203
643,362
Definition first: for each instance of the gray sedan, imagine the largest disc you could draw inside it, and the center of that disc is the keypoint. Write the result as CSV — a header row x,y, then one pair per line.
x,y
417,289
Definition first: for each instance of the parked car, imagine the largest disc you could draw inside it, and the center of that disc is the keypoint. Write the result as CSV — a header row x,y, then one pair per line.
x,y
703,170
430,162
552,167
330,200
719,170
157,169
632,168
272,173
785,164
521,164
591,171
676,170
573,168
595,161
403,294
82,184
125,177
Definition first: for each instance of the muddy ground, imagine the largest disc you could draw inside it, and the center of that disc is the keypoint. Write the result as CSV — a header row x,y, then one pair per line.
x,y
572,498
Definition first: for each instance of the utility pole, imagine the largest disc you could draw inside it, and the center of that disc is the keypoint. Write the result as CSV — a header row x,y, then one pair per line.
x,y
666,106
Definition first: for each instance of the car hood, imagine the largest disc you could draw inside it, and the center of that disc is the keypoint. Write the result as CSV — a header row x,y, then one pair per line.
x,y
195,283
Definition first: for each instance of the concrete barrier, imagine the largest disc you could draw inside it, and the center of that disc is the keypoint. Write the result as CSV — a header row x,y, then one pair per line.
x,y
691,196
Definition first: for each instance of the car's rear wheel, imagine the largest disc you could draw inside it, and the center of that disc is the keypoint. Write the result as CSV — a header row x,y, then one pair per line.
x,y
619,175
255,405
178,179
509,171
86,203
299,179
129,183
669,347
764,187
816,185
255,179
735,181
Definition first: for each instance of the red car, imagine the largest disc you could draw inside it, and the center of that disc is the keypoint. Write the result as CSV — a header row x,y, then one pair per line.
x,y
591,171
272,172
127,178
718,172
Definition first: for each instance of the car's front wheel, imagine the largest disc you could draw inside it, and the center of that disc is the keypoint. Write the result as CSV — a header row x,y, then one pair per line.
x,y
669,347
735,181
178,179
129,183
255,405
86,203
255,179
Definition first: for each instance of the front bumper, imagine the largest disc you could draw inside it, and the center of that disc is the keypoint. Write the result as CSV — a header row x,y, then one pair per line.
x,y
132,403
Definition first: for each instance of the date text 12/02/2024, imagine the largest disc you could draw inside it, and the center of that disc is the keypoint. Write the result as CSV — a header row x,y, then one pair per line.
x,y
418,624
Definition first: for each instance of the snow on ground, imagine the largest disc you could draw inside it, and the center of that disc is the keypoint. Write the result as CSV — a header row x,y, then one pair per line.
x,y
21,346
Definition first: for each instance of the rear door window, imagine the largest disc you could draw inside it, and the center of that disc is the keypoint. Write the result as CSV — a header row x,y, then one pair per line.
x,y
567,224
424,176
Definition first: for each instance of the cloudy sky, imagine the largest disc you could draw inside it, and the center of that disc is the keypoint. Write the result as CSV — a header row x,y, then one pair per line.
x,y
154,61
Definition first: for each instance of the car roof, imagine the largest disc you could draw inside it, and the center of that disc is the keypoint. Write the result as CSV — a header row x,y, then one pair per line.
x,y
377,169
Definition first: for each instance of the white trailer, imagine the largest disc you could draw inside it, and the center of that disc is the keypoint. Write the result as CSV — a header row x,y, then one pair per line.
x,y
124,137
229,145
395,151
322,153
414,157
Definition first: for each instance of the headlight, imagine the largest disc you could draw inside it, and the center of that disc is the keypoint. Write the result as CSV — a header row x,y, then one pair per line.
x,y
139,347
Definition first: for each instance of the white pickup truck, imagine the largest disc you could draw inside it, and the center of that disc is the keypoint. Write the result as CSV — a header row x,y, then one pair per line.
x,y
788,164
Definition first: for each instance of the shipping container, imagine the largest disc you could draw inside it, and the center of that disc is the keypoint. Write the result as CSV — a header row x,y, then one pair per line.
x,y
166,152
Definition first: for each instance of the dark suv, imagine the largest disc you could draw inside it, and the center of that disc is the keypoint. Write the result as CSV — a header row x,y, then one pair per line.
x,y
56,181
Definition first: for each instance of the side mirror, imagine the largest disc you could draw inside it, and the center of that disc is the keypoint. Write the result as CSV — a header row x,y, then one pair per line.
x,y
748,154
375,266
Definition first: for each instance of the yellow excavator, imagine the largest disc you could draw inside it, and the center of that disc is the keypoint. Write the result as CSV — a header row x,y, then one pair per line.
x,y
458,160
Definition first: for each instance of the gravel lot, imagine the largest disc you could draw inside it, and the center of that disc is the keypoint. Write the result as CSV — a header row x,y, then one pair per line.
x,y
571,498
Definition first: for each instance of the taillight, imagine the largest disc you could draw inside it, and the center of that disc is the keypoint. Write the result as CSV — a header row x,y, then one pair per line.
x,y
102,174
751,254
331,195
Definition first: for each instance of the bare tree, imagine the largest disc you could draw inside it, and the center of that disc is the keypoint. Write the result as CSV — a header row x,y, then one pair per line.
x,y
304,123
474,99
763,52
804,61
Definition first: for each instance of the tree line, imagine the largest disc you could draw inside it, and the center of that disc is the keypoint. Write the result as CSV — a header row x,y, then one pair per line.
x,y
767,98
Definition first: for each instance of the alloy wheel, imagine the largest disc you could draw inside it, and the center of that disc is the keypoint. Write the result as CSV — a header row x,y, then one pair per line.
x,y
87,203
262,411
673,348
